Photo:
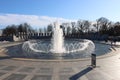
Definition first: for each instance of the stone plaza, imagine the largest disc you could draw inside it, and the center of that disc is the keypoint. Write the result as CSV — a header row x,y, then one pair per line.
x,y
108,68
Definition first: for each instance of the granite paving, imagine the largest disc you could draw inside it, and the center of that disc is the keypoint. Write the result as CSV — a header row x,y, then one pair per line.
x,y
108,68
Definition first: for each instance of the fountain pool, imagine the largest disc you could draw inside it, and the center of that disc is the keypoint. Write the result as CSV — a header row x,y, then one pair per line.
x,y
57,47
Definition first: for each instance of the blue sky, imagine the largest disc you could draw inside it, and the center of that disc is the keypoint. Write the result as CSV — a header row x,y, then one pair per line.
x,y
64,10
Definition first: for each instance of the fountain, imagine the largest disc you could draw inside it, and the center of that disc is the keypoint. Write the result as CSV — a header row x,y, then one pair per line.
x,y
57,39
58,47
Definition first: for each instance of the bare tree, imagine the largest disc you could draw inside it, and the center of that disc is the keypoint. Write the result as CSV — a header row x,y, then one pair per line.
x,y
10,30
73,24
49,28
102,23
86,25
80,26
69,30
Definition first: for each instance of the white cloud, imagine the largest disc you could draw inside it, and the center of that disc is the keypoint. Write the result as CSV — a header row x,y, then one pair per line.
x,y
34,20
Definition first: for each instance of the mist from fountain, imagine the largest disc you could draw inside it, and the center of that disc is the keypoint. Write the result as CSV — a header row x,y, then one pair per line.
x,y
57,39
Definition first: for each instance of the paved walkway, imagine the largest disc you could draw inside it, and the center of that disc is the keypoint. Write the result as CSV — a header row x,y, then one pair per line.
x,y
108,68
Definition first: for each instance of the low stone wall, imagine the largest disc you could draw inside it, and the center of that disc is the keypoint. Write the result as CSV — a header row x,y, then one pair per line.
x,y
46,36
6,38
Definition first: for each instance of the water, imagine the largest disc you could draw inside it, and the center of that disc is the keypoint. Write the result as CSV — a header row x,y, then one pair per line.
x,y
75,48
58,47
57,39
101,49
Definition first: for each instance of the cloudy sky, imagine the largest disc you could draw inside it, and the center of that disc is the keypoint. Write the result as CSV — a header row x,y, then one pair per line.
x,y
39,13
34,20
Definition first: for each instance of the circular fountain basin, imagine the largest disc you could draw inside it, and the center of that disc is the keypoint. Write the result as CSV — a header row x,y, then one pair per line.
x,y
16,51
73,49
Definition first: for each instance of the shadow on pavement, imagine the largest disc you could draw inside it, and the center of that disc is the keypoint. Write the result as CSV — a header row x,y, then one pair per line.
x,y
81,73
5,57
